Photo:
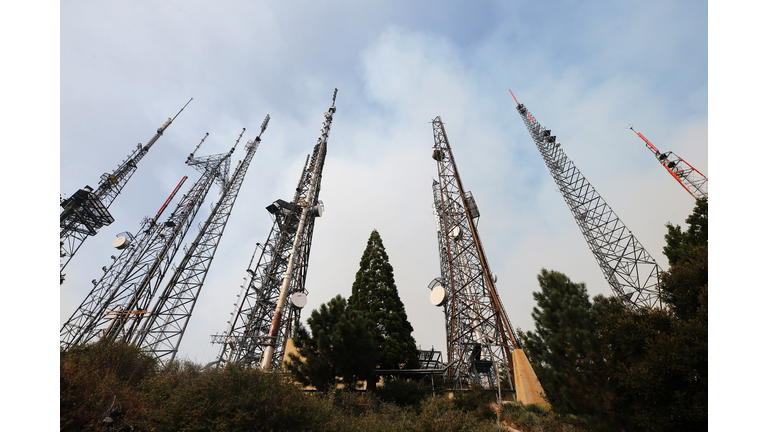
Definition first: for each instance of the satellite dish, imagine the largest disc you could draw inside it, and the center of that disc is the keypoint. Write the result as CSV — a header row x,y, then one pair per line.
x,y
438,296
299,300
495,277
456,232
121,242
319,208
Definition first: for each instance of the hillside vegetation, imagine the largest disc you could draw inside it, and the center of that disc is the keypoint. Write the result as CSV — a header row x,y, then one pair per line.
x,y
115,387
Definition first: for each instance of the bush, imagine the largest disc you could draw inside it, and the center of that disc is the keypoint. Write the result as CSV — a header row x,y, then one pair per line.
x,y
440,414
239,399
100,380
540,418
476,403
158,388
350,411
119,381
403,392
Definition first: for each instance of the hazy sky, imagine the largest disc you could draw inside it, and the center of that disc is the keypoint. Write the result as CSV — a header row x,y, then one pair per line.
x,y
585,69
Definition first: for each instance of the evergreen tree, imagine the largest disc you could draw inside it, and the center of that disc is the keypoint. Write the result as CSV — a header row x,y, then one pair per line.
x,y
658,358
340,346
687,252
631,369
564,347
679,243
374,294
657,364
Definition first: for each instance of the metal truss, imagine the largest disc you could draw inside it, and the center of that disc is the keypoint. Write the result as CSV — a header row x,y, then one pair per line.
x,y
479,337
694,182
260,325
164,329
629,269
246,337
119,301
85,212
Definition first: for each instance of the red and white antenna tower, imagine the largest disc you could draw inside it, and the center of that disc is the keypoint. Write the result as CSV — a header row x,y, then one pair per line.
x,y
689,177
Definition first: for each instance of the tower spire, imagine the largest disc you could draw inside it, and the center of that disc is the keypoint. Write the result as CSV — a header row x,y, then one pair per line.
x,y
164,328
85,212
691,179
119,301
630,270
261,323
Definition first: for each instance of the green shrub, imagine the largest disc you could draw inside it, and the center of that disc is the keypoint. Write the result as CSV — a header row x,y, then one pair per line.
x,y
403,392
475,402
540,418
440,414
238,399
100,380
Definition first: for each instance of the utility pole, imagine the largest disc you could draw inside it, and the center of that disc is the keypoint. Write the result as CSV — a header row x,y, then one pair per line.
x,y
482,345
691,179
85,212
164,328
261,323
630,270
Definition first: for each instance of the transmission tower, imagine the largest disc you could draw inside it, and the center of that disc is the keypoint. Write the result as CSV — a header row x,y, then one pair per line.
x,y
689,177
261,322
629,269
164,329
85,211
482,346
119,300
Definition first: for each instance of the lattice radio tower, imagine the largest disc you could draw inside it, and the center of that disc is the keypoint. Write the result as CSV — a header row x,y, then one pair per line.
x,y
85,212
261,322
119,300
482,346
164,328
629,269
689,177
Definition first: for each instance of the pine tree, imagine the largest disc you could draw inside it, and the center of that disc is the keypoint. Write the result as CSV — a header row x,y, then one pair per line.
x,y
687,252
564,343
680,244
374,294
340,348
631,369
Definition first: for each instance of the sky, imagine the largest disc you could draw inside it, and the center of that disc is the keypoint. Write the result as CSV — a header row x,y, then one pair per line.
x,y
587,70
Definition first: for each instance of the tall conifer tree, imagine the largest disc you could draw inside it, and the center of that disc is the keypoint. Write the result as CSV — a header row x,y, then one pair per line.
x,y
564,339
340,348
374,294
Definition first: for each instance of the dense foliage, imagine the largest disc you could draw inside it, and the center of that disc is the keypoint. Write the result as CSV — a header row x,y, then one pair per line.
x,y
115,387
340,348
563,347
629,369
375,295
100,382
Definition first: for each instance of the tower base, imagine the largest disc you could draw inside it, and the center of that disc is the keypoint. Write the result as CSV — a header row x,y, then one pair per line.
x,y
529,390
